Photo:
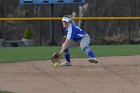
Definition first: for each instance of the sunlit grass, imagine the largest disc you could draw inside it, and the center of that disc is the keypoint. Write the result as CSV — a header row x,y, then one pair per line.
x,y
16,54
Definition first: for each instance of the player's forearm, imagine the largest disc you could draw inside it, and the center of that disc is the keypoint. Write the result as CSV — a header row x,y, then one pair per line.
x,y
64,46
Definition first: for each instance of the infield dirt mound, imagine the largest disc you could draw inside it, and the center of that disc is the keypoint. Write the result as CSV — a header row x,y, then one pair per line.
x,y
112,75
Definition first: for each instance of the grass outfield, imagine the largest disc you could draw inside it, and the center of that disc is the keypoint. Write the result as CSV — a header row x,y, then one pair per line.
x,y
16,54
5,92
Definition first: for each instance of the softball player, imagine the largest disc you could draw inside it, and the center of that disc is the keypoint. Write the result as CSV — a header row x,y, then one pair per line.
x,y
75,37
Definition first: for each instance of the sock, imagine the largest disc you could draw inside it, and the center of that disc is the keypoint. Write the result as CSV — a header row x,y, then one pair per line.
x,y
67,55
88,51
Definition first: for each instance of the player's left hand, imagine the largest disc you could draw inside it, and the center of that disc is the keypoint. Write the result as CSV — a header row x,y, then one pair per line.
x,y
56,58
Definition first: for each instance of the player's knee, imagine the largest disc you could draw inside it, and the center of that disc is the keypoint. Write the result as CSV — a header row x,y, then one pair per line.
x,y
66,51
83,47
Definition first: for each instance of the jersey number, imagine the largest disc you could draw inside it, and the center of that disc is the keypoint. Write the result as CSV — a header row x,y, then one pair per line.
x,y
79,28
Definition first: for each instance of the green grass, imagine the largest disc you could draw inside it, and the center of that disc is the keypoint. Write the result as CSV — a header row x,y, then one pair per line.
x,y
16,54
114,50
5,92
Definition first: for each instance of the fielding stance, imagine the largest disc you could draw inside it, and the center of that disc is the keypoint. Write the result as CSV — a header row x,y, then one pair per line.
x,y
75,37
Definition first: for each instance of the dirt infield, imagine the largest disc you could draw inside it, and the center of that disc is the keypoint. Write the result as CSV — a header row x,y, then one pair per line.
x,y
111,75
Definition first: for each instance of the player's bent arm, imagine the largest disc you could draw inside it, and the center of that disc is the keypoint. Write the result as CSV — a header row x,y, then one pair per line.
x,y
64,46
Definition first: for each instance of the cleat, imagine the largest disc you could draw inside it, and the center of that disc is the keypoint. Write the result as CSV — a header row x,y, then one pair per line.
x,y
93,61
65,64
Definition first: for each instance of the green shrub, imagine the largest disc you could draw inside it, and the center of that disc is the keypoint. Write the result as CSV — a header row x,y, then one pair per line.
x,y
27,33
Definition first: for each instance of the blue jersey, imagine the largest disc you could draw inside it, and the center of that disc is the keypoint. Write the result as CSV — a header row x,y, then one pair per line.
x,y
74,33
